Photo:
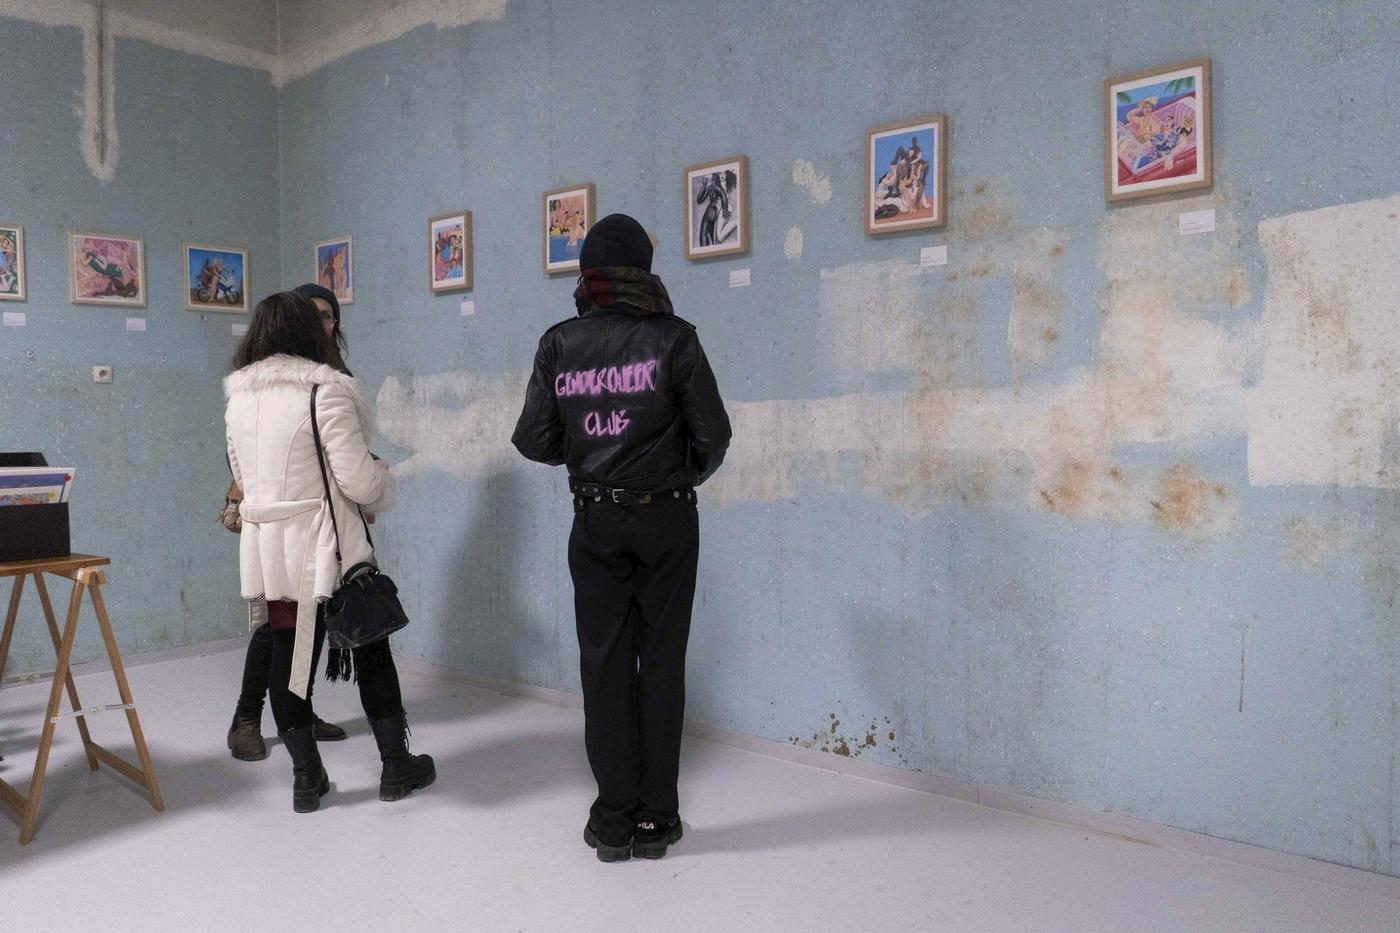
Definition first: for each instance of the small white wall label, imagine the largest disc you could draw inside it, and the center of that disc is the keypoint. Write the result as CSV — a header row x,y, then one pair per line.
x,y
933,256
1192,222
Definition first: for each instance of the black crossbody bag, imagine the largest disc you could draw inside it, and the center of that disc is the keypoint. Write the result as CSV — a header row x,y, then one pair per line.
x,y
365,606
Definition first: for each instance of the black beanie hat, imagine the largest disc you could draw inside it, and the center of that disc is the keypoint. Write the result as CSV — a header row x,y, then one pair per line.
x,y
312,290
616,240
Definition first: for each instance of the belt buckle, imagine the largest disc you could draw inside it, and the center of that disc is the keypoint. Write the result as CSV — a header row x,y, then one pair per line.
x,y
615,494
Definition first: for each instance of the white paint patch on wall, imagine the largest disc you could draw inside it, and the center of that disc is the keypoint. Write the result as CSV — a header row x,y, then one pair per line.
x,y
1164,373
792,245
307,45
1326,410
227,48
98,138
1167,371
817,186
454,422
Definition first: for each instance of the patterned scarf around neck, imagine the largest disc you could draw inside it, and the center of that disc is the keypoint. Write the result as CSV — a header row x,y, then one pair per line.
x,y
612,285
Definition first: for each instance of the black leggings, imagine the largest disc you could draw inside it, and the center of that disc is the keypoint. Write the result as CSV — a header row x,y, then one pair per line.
x,y
255,671
374,670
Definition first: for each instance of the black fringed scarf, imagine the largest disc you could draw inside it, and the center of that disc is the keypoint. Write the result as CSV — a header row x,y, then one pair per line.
x,y
341,666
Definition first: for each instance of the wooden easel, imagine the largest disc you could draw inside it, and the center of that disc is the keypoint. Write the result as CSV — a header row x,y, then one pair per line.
x,y
82,570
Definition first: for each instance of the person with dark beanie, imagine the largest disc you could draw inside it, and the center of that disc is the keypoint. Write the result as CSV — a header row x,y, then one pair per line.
x,y
623,395
284,375
245,741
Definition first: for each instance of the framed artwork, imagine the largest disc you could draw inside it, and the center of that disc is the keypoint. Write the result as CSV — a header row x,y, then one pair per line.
x,y
450,253
717,209
335,268
568,216
1157,131
906,176
216,278
106,270
11,262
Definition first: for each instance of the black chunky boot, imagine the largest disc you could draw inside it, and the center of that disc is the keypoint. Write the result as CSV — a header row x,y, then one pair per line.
x,y
403,773
606,853
309,779
652,838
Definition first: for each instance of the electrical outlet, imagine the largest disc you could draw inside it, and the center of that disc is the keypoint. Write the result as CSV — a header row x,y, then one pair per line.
x,y
102,374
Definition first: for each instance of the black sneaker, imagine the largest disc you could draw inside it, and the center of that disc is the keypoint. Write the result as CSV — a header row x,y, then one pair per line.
x,y
652,838
606,853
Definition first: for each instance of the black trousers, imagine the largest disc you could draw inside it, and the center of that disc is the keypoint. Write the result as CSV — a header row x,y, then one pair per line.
x,y
634,583
375,672
256,667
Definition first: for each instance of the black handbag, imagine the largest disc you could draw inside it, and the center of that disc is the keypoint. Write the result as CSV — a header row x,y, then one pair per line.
x,y
365,607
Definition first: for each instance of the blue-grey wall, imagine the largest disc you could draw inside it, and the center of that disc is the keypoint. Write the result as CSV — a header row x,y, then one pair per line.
x,y
992,521
197,162
1093,513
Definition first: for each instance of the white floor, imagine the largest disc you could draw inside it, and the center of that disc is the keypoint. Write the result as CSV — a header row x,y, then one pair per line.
x,y
495,843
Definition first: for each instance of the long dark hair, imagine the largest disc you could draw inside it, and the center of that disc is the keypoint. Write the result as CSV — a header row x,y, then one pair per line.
x,y
286,323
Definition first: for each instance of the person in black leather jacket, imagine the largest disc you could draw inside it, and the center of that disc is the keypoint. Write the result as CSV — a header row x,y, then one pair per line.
x,y
624,396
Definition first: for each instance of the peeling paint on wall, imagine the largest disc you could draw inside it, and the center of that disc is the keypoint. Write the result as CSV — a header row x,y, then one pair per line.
x,y
792,245
1163,374
1037,304
817,186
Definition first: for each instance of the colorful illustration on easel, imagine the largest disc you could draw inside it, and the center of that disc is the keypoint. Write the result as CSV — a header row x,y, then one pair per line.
x,y
216,278
106,270
450,253
1157,133
334,268
11,262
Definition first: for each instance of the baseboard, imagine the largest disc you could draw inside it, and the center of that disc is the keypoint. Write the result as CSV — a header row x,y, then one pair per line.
x,y
1107,824
135,660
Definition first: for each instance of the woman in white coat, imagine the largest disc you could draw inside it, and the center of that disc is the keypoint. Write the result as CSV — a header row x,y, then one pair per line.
x,y
287,553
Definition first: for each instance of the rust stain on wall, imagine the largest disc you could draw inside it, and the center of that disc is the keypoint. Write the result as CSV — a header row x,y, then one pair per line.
x,y
1185,500
1313,542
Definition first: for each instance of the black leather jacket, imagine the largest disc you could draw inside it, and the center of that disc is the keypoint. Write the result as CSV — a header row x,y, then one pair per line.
x,y
627,400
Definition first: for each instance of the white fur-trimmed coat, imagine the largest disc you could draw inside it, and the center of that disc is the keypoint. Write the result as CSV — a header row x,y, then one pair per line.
x,y
287,546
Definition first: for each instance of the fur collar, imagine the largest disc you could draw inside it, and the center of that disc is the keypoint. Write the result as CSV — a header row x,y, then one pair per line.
x,y
282,369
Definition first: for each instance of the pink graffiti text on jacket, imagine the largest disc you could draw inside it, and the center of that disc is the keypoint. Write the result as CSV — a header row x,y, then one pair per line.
x,y
633,377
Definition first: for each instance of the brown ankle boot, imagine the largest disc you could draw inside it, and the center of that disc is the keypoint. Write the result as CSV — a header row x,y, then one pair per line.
x,y
245,740
326,731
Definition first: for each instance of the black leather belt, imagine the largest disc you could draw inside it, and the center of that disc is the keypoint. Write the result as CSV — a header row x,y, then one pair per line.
x,y
595,492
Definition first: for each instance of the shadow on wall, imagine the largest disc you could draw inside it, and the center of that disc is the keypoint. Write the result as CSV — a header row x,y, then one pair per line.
x,y
484,602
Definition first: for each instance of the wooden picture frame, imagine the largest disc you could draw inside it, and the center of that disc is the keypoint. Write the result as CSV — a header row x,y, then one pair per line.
x,y
561,249
333,272
722,229
892,204
441,277
227,295
12,281
108,262
1165,148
